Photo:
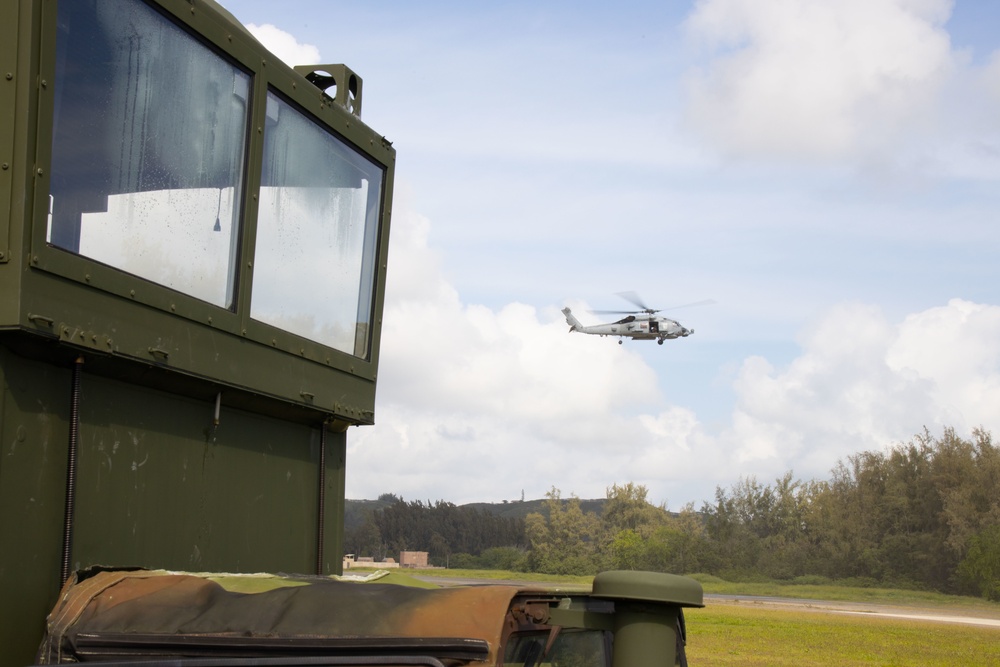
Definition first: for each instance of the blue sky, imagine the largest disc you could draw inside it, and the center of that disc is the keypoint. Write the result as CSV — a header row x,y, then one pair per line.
x,y
826,172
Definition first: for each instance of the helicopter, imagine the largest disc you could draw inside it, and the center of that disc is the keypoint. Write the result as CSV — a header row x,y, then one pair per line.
x,y
641,324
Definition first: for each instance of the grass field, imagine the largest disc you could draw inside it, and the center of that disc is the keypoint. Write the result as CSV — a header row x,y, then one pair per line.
x,y
726,633
733,634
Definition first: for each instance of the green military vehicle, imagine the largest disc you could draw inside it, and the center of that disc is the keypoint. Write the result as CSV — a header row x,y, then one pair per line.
x,y
193,249
627,618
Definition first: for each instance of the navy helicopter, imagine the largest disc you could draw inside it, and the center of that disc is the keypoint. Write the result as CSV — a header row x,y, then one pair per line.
x,y
641,324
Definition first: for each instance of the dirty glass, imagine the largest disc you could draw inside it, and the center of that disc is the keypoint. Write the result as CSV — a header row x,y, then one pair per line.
x,y
571,648
317,223
148,148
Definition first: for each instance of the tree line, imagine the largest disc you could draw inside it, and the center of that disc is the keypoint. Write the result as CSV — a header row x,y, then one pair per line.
x,y
440,528
924,514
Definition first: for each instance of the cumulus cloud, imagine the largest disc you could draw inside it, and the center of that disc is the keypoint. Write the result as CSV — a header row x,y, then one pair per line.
x,y
284,45
863,383
480,404
466,389
819,80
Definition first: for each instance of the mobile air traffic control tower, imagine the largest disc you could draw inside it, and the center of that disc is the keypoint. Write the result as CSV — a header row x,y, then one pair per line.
x,y
192,267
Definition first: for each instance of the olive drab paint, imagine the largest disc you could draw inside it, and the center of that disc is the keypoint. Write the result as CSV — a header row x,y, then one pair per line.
x,y
179,363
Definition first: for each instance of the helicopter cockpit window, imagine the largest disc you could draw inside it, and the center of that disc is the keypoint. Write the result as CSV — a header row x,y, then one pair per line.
x,y
317,228
148,148
571,648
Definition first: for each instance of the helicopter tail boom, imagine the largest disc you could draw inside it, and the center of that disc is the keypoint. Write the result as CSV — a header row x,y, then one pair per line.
x,y
574,324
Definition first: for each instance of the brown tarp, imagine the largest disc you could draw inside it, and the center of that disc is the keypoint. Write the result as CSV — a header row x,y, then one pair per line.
x,y
181,606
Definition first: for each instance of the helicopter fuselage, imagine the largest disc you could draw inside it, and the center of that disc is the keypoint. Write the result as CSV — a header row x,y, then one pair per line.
x,y
641,326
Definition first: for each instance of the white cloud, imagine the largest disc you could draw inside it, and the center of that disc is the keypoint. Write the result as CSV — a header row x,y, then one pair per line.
x,y
479,404
284,45
467,389
813,79
953,351
862,383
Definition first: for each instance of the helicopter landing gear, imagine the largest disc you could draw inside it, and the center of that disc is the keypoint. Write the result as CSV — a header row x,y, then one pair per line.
x,y
659,341
619,341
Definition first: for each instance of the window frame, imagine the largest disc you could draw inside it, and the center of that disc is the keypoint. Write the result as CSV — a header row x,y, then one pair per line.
x,y
212,29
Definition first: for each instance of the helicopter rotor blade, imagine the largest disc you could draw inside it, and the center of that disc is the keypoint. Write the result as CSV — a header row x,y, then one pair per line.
x,y
633,297
705,302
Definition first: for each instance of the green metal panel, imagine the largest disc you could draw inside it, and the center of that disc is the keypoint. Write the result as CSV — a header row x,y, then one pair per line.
x,y
34,408
334,503
153,346
159,486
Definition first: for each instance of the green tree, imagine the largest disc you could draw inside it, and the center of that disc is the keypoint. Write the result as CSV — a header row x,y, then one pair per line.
x,y
628,521
564,542
981,565
628,550
627,508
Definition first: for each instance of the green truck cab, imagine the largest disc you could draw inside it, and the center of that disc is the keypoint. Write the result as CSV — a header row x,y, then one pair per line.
x,y
626,618
193,251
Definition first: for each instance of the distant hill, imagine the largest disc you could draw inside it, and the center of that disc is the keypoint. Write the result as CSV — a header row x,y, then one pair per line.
x,y
518,509
356,511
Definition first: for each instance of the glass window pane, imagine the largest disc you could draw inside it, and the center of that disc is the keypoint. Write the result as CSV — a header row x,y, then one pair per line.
x,y
572,648
317,228
148,148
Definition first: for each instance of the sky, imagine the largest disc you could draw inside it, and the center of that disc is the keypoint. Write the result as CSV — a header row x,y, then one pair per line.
x,y
826,172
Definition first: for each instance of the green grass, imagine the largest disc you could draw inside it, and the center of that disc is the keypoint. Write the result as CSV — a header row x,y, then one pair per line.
x,y
748,634
732,634
493,575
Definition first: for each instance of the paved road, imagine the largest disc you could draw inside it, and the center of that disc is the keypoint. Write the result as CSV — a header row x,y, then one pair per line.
x,y
821,606
860,608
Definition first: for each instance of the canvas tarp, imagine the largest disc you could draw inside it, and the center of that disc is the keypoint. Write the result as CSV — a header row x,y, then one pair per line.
x,y
197,609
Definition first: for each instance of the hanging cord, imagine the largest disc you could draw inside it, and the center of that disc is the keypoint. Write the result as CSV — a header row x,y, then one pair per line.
x,y
74,439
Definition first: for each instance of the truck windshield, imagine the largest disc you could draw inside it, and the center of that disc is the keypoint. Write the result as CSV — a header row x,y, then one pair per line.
x,y
571,648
